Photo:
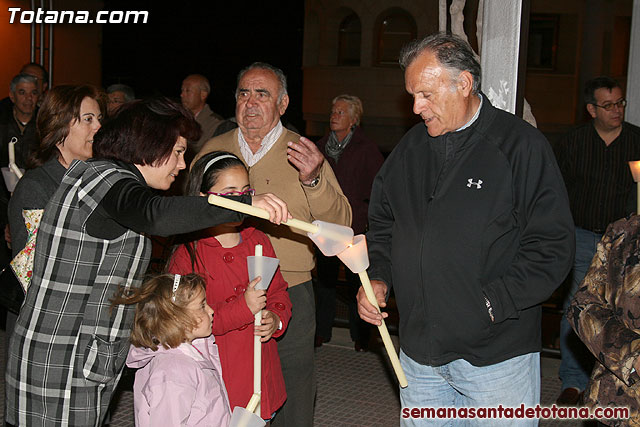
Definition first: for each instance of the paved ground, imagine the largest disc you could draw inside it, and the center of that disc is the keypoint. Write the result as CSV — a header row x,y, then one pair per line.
x,y
354,389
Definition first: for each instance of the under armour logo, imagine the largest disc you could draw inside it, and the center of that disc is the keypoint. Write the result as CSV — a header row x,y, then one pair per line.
x,y
477,184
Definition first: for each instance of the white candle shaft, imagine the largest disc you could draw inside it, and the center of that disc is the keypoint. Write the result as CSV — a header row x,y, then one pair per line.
x,y
384,333
12,152
253,402
15,169
258,212
257,360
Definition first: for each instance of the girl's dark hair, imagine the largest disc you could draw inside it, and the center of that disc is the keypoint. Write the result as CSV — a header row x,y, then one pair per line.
x,y
144,132
59,109
159,320
202,176
201,180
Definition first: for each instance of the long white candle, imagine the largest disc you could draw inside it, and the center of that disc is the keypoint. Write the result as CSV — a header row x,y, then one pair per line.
x,y
12,152
257,345
253,402
12,159
384,333
259,212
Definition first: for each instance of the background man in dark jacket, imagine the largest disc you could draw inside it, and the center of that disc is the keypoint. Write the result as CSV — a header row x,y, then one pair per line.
x,y
470,223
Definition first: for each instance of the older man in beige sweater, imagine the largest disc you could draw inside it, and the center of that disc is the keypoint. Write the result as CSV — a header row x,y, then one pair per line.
x,y
290,166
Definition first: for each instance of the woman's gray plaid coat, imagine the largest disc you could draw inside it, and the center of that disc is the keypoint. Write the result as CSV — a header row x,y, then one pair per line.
x,y
68,348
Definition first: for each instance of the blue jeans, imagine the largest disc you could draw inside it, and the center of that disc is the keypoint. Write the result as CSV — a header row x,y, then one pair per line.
x,y
460,384
577,361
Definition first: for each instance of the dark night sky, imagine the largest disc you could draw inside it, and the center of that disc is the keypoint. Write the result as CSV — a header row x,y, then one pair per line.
x,y
213,38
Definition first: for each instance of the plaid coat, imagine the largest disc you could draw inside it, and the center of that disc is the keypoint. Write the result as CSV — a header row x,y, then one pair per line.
x,y
69,348
605,314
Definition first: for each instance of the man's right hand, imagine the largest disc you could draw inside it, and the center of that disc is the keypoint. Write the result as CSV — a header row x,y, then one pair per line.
x,y
277,208
366,310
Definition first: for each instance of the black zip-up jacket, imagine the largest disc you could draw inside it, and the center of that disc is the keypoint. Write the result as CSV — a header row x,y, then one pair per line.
x,y
481,212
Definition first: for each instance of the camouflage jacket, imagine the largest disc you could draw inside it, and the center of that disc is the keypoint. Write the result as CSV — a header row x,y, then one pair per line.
x,y
605,314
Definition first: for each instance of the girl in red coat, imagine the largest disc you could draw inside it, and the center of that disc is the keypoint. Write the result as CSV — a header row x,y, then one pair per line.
x,y
220,256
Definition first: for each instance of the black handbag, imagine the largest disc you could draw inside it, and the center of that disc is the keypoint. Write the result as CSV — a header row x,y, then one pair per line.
x,y
11,290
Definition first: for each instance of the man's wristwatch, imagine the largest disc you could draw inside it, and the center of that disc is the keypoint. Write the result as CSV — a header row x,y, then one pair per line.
x,y
313,183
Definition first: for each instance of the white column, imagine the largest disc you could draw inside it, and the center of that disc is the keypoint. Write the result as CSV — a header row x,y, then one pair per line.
x,y
632,113
442,16
500,52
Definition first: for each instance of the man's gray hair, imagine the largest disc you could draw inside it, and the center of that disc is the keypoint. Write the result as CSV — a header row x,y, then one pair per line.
x,y
129,94
264,66
452,52
22,78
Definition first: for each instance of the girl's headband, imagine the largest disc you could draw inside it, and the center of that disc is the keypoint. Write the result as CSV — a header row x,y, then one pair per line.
x,y
176,284
215,159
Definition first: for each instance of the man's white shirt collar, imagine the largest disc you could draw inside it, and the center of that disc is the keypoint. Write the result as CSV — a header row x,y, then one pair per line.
x,y
475,116
267,142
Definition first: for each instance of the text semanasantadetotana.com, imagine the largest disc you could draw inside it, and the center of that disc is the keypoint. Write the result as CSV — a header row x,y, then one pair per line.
x,y
41,16
520,412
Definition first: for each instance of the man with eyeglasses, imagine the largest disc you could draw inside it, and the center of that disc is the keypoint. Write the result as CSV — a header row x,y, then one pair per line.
x,y
593,159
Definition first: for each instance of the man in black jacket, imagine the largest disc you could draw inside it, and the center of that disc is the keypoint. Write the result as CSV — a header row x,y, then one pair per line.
x,y
470,224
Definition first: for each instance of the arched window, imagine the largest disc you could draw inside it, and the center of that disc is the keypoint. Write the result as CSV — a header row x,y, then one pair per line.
x,y
395,28
350,34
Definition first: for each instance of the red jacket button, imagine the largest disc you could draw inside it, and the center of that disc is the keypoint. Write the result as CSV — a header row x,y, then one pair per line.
x,y
228,257
231,298
279,306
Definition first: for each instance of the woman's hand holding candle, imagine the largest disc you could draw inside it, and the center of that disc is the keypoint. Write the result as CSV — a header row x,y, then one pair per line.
x,y
276,208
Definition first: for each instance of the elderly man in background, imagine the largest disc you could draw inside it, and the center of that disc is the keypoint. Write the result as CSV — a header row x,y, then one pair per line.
x,y
291,166
117,95
42,82
19,121
469,222
40,73
194,93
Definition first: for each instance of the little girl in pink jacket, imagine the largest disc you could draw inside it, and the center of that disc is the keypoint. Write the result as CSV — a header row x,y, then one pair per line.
x,y
179,380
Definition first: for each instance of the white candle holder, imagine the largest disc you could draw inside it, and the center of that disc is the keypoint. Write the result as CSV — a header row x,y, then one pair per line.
x,y
331,238
241,417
